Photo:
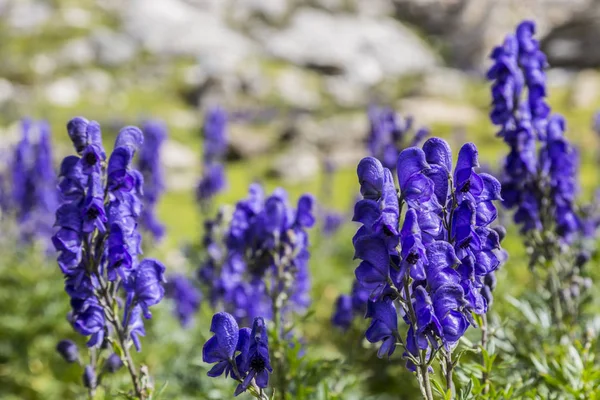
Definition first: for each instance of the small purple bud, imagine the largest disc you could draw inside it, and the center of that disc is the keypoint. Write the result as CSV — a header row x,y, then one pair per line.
x,y
582,258
68,350
89,377
113,363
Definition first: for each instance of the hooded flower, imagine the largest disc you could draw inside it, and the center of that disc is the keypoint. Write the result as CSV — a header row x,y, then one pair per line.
x,y
220,348
255,361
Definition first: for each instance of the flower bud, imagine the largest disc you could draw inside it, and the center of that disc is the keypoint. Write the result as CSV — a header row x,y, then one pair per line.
x,y
113,363
68,350
89,377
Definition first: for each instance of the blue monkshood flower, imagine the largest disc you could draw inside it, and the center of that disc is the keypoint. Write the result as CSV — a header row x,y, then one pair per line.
x,y
413,253
149,164
213,181
145,285
68,350
88,319
441,256
97,237
113,363
215,134
213,178
389,134
343,314
133,320
541,165
245,249
255,360
384,325
221,348
373,273
186,296
32,197
533,62
332,221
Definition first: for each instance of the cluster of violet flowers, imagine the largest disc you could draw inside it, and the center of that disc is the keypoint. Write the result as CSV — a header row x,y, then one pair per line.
x,y
431,269
149,164
257,265
242,354
540,172
99,247
29,194
389,134
213,178
257,257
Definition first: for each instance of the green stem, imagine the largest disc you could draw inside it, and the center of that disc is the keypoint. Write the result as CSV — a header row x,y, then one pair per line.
x,y
277,320
122,339
484,341
449,370
423,367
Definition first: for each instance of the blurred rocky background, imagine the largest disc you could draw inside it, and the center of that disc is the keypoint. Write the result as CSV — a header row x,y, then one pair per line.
x,y
296,74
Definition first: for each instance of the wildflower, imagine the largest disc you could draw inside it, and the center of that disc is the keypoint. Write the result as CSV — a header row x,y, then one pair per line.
x,y
187,298
113,363
149,164
68,350
255,357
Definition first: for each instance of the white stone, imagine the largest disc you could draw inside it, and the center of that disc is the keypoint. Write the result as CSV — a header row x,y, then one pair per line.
x,y
63,92
6,90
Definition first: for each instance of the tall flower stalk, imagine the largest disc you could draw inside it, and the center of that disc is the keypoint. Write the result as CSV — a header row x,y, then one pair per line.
x,y
540,180
149,164
429,268
213,178
99,246
257,264
29,193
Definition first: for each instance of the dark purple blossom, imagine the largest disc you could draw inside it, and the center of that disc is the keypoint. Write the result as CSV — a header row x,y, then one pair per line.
x,y
213,178
113,363
68,350
97,237
255,360
186,296
389,134
149,164
437,261
264,241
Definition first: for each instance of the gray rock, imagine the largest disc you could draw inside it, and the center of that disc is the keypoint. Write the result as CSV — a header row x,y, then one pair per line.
x,y
298,164
96,81
272,10
345,93
427,111
113,48
78,52
6,90
246,141
177,27
295,87
444,82
181,165
63,92
585,89
348,129
28,15
364,49
574,44
77,17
